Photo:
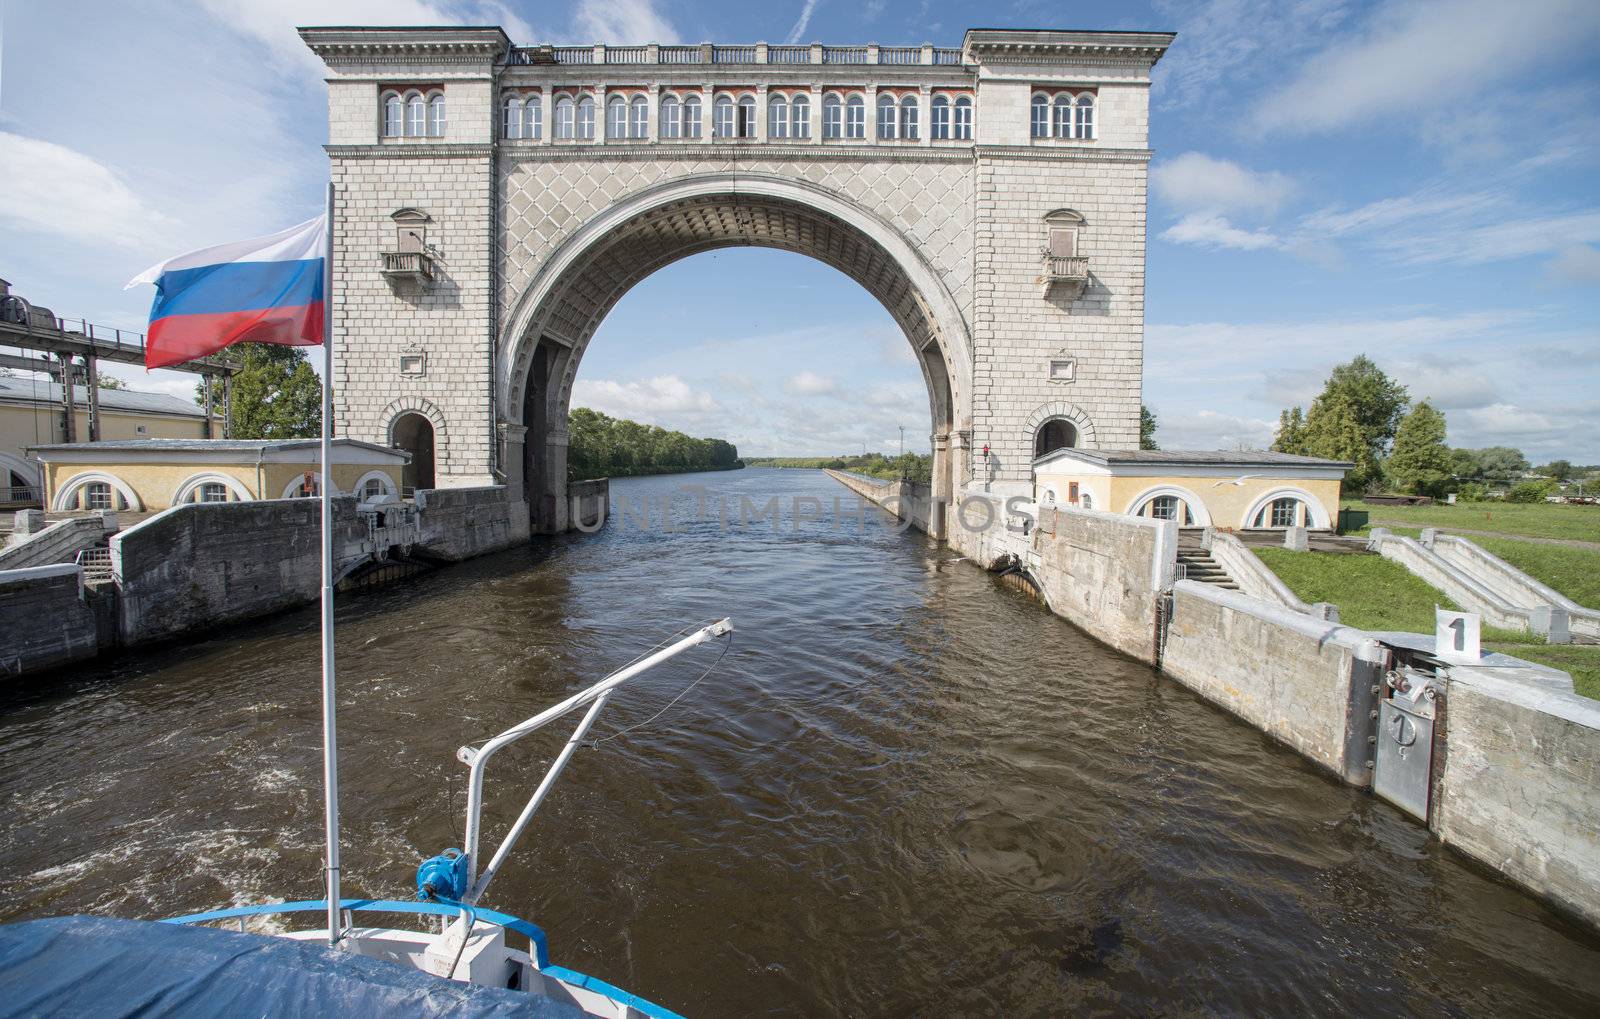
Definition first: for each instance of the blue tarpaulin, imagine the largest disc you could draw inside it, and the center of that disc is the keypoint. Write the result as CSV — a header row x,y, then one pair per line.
x,y
98,966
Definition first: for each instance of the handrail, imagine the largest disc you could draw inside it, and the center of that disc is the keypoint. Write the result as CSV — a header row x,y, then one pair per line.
x,y
595,696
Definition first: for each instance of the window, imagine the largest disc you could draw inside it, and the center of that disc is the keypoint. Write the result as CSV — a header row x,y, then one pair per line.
x,y
394,116
800,118
855,118
1061,125
1084,501
747,117
616,118
416,116
1040,119
436,116
586,119
1169,507
722,125
964,119
832,117
97,495
531,117
691,117
1086,116
639,112
375,488
908,118
671,117
1284,512
886,118
777,117
212,491
939,129
512,127
564,117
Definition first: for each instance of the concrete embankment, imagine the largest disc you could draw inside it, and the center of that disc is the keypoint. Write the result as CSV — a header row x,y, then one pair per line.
x,y
1515,759
49,619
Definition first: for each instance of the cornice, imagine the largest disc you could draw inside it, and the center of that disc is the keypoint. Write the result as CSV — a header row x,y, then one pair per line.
x,y
1088,154
431,45
414,150
1051,46
735,152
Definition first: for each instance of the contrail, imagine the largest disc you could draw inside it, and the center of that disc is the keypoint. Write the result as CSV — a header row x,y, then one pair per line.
x,y
802,22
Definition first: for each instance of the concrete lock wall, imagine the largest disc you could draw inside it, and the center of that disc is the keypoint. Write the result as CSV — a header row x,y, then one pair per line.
x,y
1510,583
459,523
58,543
1520,786
1105,573
48,619
590,503
206,563
1304,681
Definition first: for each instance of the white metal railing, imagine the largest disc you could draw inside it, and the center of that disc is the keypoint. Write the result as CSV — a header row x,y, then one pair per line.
x,y
96,563
595,697
679,55
788,54
18,493
844,54
574,54
733,54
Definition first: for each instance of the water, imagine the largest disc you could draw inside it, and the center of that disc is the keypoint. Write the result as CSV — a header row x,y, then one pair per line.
x,y
905,791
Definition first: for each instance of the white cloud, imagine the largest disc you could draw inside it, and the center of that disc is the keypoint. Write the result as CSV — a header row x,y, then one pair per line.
x,y
1209,429
52,189
1223,45
809,383
1423,55
804,20
1197,182
623,21
1577,263
1209,230
647,400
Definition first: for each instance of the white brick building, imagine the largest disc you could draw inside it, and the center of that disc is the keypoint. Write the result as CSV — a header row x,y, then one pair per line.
x,y
494,202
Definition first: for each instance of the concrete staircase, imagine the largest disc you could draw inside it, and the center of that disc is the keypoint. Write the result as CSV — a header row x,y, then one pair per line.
x,y
1195,563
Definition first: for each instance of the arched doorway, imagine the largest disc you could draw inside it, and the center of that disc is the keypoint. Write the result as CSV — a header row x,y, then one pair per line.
x,y
413,433
552,323
1053,435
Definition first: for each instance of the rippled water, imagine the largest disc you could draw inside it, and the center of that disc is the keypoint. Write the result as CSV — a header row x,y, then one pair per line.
x,y
905,791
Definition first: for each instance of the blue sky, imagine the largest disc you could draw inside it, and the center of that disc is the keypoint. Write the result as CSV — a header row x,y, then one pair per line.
x,y
1413,180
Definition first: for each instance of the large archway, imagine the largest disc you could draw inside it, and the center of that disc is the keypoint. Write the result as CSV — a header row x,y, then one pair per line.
x,y
553,321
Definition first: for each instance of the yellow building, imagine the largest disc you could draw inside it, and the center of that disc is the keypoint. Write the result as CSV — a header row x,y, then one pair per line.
x,y
32,414
148,475
1226,490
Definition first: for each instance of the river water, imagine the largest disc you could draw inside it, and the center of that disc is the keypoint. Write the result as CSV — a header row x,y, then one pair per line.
x,y
905,790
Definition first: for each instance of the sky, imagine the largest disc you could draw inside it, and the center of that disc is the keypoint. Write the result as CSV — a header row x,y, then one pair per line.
x,y
1414,180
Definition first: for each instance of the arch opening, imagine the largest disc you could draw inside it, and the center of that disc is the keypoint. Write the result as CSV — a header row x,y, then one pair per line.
x,y
413,433
1053,435
553,323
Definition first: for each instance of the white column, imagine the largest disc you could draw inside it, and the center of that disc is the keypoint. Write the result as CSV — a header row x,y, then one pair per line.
x,y
870,114
925,111
761,112
653,133
816,109
708,111
602,133
547,114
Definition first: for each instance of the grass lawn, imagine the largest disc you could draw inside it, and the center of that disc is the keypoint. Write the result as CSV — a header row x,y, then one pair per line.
x,y
1540,520
1375,594
1575,572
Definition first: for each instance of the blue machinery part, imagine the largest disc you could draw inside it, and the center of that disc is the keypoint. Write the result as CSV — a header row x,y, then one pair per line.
x,y
443,878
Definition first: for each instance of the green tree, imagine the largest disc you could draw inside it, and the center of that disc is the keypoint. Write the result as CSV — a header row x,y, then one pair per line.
x,y
276,395
1291,437
1333,431
1559,470
1377,401
1421,462
1147,428
109,382
1494,463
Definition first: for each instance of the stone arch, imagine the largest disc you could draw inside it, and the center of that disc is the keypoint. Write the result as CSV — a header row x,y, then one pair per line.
x,y
27,470
1315,511
67,496
1197,508
1060,410
549,327
192,483
396,409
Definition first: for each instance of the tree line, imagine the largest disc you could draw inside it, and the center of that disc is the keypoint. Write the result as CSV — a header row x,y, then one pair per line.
x,y
1368,419
602,446
905,467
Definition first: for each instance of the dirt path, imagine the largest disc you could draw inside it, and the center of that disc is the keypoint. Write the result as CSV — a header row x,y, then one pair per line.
x,y
1592,546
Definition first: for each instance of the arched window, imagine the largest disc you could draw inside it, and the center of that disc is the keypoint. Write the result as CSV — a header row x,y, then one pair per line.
x,y
416,115
373,485
212,491
436,116
512,127
1040,117
1168,507
855,118
616,118
394,116
98,495
211,486
908,118
964,119
691,117
95,490
722,120
747,117
939,130
1053,435
413,433
1085,116
586,119
1084,501
671,116
639,118
1062,229
800,118
532,111
1061,124
565,117
832,117
1284,511
886,118
777,117
306,486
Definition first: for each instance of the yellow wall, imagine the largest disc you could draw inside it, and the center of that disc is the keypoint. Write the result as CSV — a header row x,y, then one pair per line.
x,y
156,483
1226,502
24,426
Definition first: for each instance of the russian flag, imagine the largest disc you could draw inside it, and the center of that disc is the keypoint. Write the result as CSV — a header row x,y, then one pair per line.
x,y
264,290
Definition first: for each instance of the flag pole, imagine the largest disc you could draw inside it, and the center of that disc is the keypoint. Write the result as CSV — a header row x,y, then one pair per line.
x,y
330,742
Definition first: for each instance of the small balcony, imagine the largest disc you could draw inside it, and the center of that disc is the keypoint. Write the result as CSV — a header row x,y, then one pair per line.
x,y
412,267
1065,273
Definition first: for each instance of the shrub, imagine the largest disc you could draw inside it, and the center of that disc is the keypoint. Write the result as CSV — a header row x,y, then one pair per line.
x,y
1530,491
